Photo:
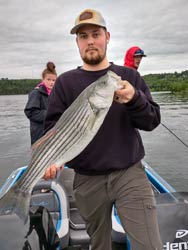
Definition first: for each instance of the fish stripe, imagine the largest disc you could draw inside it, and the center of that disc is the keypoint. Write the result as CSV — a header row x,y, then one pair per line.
x,y
60,145
58,126
57,148
41,151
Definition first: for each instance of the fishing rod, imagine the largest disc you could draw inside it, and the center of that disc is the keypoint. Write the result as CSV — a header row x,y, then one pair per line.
x,y
174,134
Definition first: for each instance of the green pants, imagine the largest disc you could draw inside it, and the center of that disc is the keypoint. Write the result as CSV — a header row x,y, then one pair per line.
x,y
131,193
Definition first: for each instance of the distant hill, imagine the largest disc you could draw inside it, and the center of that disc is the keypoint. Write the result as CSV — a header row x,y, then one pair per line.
x,y
174,82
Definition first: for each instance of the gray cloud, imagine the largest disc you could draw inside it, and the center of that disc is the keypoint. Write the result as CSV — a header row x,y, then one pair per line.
x,y
35,31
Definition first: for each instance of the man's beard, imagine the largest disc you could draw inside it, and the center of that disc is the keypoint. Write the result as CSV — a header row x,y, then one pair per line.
x,y
94,59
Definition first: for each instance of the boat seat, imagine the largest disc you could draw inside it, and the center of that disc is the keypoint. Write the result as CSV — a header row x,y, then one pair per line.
x,y
49,200
51,195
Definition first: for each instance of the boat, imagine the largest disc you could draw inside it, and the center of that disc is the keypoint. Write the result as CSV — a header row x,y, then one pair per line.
x,y
53,209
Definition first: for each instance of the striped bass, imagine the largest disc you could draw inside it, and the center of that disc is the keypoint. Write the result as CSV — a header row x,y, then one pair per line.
x,y
72,133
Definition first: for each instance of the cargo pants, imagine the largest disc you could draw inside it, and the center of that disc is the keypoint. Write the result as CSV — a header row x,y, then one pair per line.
x,y
131,193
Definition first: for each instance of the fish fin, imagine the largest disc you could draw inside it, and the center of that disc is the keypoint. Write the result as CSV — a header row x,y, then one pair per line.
x,y
43,139
15,201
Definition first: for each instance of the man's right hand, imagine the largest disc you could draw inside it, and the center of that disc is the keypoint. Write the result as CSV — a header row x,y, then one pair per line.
x,y
51,172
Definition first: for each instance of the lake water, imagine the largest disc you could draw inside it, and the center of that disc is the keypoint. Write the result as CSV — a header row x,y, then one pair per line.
x,y
164,152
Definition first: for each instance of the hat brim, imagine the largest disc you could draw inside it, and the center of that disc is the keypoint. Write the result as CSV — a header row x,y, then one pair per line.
x,y
139,54
75,29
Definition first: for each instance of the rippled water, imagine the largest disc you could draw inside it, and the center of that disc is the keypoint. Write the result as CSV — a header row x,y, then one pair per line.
x,y
164,152
14,134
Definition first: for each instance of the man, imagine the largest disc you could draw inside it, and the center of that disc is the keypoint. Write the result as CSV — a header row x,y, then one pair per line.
x,y
109,169
133,57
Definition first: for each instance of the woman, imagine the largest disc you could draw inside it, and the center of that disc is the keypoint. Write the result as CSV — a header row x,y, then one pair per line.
x,y
37,104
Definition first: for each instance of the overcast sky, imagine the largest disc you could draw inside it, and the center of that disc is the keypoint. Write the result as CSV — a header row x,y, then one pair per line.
x,y
33,32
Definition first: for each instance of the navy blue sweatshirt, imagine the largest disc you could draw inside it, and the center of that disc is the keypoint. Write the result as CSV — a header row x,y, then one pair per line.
x,y
118,144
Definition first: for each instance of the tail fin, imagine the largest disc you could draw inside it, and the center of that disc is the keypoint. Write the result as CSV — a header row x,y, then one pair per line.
x,y
15,201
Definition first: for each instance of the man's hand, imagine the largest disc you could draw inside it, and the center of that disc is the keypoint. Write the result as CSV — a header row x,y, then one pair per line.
x,y
125,94
51,172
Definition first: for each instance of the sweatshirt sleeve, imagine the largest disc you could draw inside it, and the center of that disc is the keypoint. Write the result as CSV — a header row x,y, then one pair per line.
x,y
33,109
144,113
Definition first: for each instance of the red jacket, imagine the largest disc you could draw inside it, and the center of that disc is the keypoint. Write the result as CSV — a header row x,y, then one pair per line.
x,y
129,57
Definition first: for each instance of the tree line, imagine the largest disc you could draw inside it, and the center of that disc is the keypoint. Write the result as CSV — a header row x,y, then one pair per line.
x,y
174,82
17,86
